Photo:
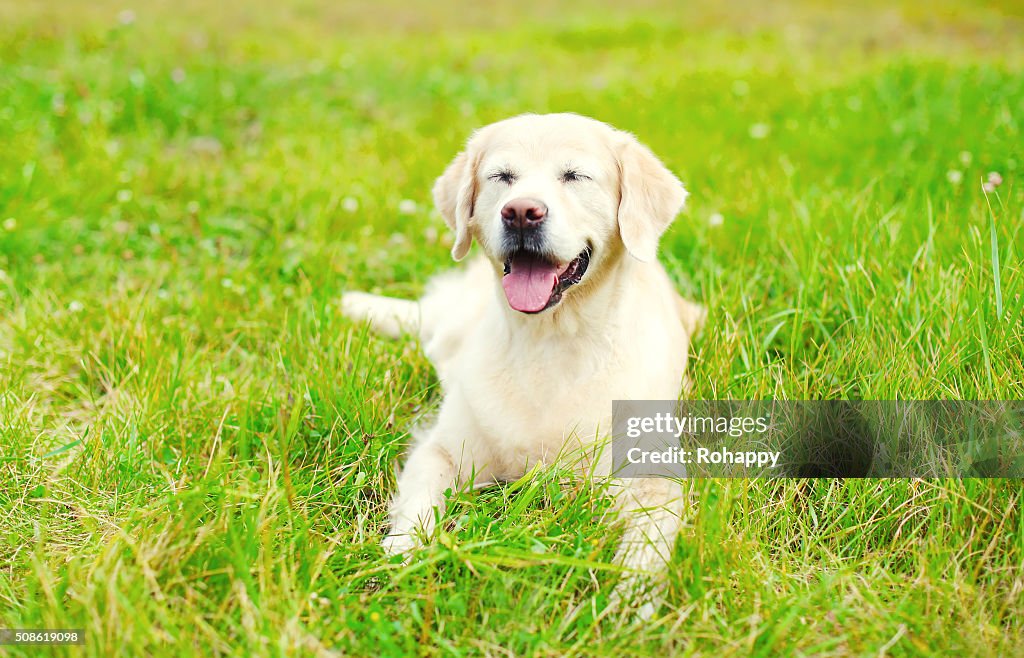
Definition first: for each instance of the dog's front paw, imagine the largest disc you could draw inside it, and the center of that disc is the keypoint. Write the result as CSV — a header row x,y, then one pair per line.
x,y
394,544
637,597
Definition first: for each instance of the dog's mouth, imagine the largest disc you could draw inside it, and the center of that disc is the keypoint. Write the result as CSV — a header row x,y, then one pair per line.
x,y
533,283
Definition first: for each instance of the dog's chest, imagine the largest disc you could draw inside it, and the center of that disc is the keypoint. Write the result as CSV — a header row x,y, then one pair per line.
x,y
545,399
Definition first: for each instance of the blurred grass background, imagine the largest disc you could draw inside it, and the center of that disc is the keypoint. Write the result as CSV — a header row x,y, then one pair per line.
x,y
196,448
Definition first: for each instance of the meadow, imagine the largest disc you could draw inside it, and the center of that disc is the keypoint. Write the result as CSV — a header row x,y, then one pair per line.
x,y
196,449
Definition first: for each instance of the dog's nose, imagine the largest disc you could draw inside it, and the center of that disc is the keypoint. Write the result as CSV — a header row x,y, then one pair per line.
x,y
523,213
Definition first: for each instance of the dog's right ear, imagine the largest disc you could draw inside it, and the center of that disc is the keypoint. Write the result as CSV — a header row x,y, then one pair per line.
x,y
455,197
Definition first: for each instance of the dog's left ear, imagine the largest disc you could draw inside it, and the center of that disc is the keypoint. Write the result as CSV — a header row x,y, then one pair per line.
x,y
650,198
455,198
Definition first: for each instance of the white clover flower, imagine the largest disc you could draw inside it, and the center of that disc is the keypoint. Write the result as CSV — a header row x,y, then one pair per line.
x,y
716,219
407,207
76,306
126,17
955,176
10,224
995,178
759,130
350,204
124,196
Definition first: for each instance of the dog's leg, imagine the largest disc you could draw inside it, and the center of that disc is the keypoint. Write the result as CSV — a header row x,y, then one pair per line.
x,y
387,315
652,509
442,459
428,472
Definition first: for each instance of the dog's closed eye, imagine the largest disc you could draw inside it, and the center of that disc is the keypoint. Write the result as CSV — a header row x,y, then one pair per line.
x,y
504,176
573,176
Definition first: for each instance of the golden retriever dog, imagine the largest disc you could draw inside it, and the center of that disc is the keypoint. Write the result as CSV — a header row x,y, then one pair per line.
x,y
566,309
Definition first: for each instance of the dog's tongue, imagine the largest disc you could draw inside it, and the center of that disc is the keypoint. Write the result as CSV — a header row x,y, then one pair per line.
x,y
529,283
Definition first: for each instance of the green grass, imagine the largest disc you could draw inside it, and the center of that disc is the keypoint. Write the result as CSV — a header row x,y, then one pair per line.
x,y
196,450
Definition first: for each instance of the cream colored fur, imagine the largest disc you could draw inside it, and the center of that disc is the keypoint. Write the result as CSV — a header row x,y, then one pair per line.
x,y
522,389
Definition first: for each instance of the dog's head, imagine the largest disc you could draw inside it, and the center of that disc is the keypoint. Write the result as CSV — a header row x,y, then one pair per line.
x,y
552,199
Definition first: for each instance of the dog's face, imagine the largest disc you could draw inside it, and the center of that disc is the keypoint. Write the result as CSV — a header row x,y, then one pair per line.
x,y
551,199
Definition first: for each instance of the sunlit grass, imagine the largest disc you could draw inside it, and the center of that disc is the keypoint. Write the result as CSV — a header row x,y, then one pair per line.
x,y
197,449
